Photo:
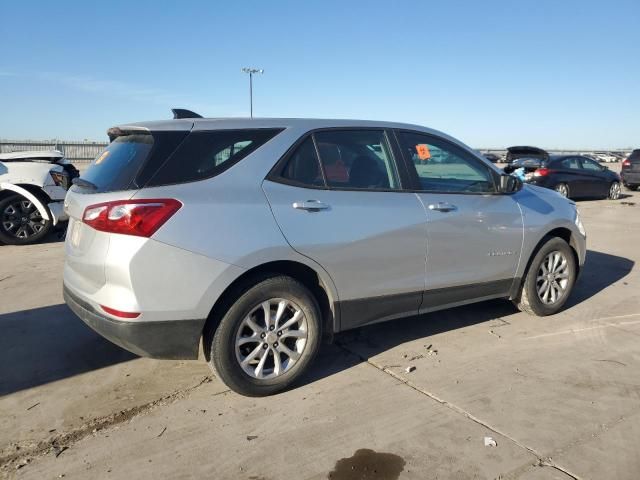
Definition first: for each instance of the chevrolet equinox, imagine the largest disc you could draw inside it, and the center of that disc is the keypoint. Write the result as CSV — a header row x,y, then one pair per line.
x,y
258,238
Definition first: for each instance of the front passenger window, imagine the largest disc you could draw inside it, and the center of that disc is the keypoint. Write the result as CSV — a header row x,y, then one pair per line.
x,y
443,167
591,165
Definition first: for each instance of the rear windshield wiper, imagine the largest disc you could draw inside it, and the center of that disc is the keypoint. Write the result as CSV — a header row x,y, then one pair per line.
x,y
81,182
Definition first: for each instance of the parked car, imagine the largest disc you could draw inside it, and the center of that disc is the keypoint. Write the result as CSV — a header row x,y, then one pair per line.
x,y
32,188
572,176
605,157
630,170
245,235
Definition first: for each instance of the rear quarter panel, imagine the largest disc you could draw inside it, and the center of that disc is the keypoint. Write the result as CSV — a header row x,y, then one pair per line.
x,y
33,173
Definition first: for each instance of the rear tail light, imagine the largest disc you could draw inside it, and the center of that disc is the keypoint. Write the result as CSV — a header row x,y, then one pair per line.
x,y
61,179
541,172
141,218
626,163
118,313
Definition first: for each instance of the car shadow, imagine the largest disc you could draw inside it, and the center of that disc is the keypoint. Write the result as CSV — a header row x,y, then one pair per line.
x,y
596,199
46,344
599,272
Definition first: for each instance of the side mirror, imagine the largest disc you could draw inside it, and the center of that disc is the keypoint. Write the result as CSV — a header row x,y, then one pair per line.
x,y
509,184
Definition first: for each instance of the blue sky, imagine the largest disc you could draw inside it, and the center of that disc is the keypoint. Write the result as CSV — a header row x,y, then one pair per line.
x,y
558,74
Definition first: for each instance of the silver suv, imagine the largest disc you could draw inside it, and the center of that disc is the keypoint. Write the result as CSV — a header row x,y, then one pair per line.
x,y
259,238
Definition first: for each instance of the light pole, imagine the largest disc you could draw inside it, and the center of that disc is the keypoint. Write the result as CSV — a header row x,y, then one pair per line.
x,y
251,71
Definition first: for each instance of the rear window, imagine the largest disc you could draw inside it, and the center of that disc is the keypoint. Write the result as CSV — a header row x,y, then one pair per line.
x,y
206,154
527,162
140,159
117,167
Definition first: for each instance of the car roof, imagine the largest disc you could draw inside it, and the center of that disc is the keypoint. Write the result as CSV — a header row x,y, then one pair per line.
x,y
240,122
297,125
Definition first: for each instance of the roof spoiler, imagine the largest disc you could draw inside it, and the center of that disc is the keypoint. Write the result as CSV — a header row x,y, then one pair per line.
x,y
184,113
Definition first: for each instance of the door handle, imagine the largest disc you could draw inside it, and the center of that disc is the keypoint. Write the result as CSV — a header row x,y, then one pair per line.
x,y
442,207
311,205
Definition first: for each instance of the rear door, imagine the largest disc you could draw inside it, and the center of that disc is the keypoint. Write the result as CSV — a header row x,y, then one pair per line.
x,y
474,234
338,199
569,170
596,180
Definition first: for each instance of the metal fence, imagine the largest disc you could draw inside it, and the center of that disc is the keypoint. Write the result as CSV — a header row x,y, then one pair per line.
x,y
77,152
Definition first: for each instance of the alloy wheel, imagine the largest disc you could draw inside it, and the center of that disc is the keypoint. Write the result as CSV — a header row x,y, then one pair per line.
x,y
21,219
563,190
614,191
271,338
553,278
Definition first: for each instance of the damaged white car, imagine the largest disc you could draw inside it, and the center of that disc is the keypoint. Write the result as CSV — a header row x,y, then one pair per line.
x,y
32,190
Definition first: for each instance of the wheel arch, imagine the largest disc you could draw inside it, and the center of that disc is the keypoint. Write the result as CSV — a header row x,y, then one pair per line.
x,y
559,232
31,192
294,269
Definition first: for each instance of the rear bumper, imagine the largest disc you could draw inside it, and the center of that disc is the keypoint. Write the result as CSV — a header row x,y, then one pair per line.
x,y
544,182
168,339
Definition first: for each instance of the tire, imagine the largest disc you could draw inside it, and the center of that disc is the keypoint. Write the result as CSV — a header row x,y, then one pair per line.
x,y
20,221
614,191
528,299
563,189
237,339
631,188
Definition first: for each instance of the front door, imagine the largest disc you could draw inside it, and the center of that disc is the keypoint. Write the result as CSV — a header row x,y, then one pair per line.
x,y
338,200
474,234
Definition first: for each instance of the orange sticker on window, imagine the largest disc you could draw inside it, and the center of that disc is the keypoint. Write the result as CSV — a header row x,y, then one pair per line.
x,y
423,151
101,158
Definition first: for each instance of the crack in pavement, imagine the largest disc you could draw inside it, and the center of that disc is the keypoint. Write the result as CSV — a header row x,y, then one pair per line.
x,y
542,461
19,456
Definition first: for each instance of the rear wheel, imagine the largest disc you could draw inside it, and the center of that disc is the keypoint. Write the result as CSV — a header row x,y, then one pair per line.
x,y
20,221
267,338
614,191
631,187
563,189
549,280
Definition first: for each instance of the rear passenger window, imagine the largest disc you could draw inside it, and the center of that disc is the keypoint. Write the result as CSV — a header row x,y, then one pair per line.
x,y
206,154
303,166
570,163
357,159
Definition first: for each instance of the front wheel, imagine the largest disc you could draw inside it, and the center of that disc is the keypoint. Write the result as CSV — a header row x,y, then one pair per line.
x,y
267,338
20,221
549,279
563,189
614,191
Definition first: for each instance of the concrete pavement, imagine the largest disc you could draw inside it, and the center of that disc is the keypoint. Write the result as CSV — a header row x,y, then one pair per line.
x,y
560,395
